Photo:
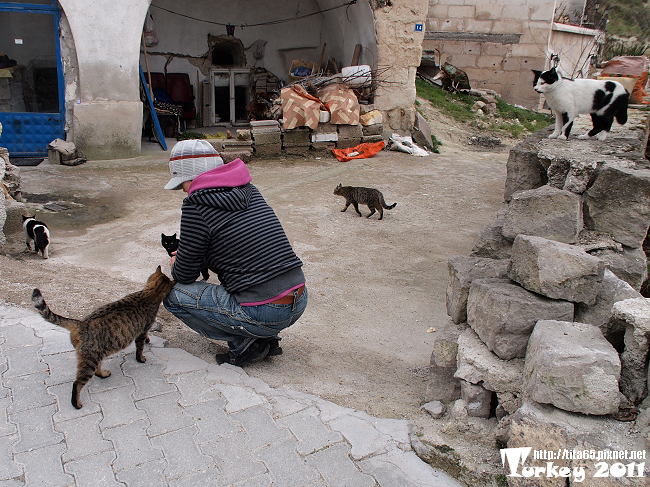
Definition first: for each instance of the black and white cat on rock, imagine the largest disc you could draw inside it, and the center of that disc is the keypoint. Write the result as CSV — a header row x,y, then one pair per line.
x,y
604,100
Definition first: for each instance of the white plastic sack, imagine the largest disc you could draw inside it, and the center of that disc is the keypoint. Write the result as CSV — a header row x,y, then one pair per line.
x,y
406,144
150,38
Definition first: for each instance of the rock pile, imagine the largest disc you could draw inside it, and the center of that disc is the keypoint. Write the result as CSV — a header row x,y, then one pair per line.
x,y
11,207
549,330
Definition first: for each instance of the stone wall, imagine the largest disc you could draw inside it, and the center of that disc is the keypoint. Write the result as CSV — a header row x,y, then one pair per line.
x,y
496,43
549,330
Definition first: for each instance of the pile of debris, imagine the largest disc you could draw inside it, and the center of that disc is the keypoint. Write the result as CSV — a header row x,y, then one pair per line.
x,y
274,138
549,339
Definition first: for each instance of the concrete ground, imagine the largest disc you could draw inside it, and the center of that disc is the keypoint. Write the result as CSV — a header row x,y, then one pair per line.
x,y
179,421
377,288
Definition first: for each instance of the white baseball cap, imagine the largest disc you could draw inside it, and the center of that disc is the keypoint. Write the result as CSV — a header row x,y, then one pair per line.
x,y
189,158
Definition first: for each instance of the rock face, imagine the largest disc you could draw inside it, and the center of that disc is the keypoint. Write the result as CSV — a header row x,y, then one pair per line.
x,y
611,291
633,315
573,367
546,212
555,270
441,384
525,168
462,271
477,398
477,365
628,264
545,428
619,203
491,243
503,315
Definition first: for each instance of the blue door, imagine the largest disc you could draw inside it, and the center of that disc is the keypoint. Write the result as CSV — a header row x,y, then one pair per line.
x,y
32,106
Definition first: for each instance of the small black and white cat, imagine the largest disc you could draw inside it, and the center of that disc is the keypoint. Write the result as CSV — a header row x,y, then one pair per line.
x,y
170,244
568,98
39,233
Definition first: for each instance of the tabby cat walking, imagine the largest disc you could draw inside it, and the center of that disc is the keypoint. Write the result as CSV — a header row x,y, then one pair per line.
x,y
110,328
373,198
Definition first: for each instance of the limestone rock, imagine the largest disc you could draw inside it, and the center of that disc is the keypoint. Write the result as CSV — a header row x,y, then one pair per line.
x,y
421,133
524,168
599,314
619,203
441,384
435,408
573,367
477,365
462,271
592,241
545,428
491,243
628,264
478,399
634,314
544,212
504,315
243,134
10,175
556,270
370,130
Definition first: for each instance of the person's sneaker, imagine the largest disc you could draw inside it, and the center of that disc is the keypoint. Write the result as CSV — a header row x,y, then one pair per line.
x,y
254,353
275,348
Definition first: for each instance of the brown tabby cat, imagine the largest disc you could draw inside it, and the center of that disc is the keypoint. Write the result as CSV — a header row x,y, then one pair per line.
x,y
365,196
110,328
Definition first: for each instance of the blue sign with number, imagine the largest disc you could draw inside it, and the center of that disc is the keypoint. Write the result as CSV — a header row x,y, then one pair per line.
x,y
419,27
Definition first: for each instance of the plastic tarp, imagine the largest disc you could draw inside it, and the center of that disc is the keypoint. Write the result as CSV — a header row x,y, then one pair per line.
x,y
630,66
361,151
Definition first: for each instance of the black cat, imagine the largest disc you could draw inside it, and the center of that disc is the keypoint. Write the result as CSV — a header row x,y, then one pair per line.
x,y
170,244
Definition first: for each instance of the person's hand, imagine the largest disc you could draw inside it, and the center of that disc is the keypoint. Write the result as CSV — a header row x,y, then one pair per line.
x,y
173,259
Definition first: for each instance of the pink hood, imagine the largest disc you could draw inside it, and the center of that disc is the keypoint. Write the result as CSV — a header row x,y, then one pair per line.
x,y
229,175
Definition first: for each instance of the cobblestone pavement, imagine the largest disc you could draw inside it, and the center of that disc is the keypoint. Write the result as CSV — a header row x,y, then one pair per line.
x,y
179,421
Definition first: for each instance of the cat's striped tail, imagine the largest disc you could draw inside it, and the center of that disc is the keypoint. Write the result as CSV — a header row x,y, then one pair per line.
x,y
388,207
45,311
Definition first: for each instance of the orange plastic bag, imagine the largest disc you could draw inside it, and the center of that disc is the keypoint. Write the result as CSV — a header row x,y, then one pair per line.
x,y
638,93
363,151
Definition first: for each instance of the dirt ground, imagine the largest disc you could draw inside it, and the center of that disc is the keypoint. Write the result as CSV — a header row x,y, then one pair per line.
x,y
376,288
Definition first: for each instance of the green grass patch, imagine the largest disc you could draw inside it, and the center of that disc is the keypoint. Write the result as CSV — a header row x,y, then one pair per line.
x,y
456,105
515,121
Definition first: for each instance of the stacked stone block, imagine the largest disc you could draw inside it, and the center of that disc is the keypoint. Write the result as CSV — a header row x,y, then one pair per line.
x,y
238,148
563,327
349,136
267,137
296,141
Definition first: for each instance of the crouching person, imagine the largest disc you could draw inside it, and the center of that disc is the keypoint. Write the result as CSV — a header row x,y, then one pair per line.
x,y
227,226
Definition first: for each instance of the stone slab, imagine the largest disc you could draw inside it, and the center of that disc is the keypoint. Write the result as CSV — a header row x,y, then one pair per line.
x,y
618,203
573,367
462,271
544,212
556,270
504,314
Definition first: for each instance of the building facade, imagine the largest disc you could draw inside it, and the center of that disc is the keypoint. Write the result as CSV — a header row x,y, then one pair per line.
x,y
73,66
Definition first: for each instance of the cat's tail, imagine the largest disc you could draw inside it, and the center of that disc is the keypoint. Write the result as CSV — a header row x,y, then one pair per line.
x,y
46,312
388,207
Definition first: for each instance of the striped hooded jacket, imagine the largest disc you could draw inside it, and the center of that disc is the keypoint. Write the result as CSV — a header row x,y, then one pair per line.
x,y
227,226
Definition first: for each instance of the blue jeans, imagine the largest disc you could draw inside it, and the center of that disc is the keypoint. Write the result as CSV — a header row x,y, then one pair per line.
x,y
211,311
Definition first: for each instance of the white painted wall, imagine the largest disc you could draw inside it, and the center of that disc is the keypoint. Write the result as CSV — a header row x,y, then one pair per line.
x,y
340,29
107,112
